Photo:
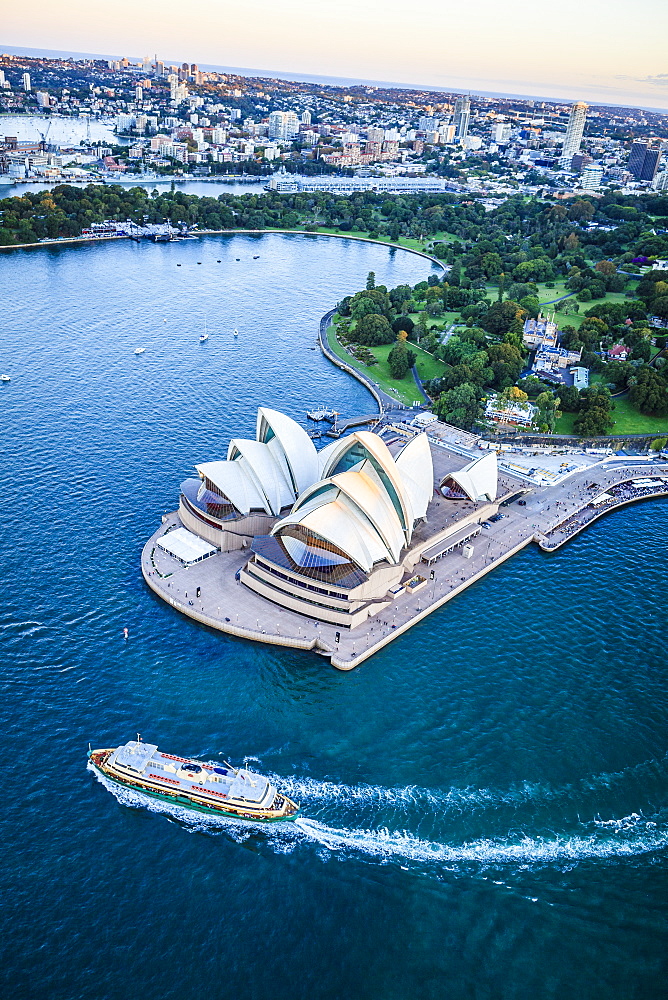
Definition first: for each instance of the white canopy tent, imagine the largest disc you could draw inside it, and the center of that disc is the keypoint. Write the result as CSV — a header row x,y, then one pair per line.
x,y
185,546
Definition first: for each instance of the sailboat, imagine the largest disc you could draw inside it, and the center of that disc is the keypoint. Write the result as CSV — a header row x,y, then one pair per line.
x,y
235,334
203,336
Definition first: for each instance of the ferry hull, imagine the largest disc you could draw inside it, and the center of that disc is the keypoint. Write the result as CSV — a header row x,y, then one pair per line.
x,y
97,757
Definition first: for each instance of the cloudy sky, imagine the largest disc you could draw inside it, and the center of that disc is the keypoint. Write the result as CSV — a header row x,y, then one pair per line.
x,y
588,49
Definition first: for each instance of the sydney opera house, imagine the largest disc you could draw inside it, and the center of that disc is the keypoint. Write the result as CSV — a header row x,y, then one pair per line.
x,y
332,535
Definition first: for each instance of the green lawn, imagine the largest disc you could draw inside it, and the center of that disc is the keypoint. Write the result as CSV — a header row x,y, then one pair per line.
x,y
627,421
403,389
564,424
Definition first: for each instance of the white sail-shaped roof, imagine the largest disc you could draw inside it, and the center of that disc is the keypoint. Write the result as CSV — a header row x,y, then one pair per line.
x,y
364,445
339,522
269,473
478,479
299,451
417,471
362,491
231,480
264,470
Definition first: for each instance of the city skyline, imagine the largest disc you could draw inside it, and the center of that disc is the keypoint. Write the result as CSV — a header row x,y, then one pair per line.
x,y
578,57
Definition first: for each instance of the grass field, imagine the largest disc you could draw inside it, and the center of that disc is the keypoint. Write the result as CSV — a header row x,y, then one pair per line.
x,y
627,421
403,389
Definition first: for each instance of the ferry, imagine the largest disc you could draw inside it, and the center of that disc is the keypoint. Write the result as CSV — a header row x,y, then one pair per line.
x,y
217,789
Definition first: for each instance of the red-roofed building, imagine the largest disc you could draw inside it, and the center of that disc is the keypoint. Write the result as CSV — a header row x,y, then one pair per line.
x,y
619,352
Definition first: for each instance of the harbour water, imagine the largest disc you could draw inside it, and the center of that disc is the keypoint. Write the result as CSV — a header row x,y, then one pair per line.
x,y
485,802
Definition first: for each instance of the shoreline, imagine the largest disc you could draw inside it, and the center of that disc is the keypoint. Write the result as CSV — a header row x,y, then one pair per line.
x,y
70,240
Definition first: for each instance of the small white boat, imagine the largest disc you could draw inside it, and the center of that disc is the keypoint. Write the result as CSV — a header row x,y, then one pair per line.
x,y
203,337
140,350
236,333
5,378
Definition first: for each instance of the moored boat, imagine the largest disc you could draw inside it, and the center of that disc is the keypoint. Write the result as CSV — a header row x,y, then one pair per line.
x,y
217,789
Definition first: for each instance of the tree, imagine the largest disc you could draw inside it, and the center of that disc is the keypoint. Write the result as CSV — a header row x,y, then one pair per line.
x,y
460,407
548,412
372,330
581,210
569,398
647,392
400,360
403,323
500,317
594,412
371,278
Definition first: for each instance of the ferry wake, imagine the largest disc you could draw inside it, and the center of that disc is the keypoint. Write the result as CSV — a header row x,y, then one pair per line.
x,y
218,789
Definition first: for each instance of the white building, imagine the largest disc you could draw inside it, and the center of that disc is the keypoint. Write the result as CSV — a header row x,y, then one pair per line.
x,y
592,176
283,125
501,132
461,118
574,133
26,82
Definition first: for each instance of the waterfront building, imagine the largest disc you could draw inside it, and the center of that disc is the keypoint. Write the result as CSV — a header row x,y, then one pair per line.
x,y
511,412
461,118
241,496
342,552
580,377
574,133
501,132
283,125
334,535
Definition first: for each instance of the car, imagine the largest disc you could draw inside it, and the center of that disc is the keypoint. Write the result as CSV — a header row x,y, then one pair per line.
x,y
485,524
522,503
495,517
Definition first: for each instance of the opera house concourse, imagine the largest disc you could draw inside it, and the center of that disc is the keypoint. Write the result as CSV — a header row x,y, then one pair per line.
x,y
334,535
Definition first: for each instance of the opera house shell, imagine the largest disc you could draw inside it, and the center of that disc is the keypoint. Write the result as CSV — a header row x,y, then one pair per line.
x,y
338,553
330,533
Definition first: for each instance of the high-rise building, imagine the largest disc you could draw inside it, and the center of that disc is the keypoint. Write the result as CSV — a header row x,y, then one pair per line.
x,y
306,117
592,175
644,160
139,93
461,118
574,133
26,82
283,125
501,131
637,157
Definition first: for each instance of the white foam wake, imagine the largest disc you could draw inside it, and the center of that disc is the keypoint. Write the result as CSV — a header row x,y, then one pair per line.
x,y
615,838
402,845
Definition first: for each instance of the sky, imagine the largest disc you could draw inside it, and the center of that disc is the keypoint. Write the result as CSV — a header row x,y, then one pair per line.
x,y
572,49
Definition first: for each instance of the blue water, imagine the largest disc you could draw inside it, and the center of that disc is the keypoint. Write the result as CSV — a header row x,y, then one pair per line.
x,y
485,801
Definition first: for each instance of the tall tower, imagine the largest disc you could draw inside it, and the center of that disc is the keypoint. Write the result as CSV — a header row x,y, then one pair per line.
x,y
461,118
574,132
